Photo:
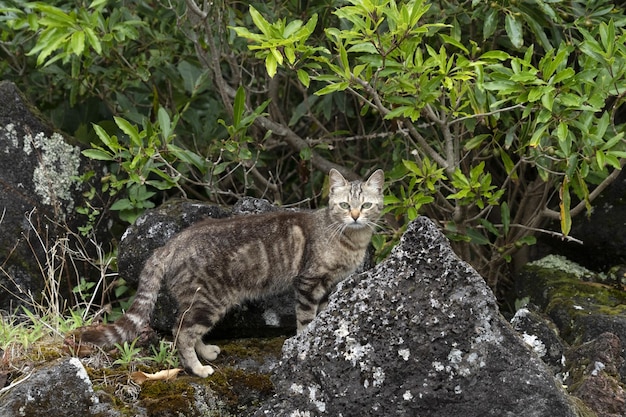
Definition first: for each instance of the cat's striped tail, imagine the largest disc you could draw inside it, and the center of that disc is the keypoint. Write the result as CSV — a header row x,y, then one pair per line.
x,y
137,317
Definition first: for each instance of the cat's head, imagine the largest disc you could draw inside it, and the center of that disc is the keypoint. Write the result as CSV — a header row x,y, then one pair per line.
x,y
356,203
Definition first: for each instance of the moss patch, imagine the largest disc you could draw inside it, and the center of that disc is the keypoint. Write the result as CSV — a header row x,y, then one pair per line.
x,y
237,384
259,350
571,295
164,397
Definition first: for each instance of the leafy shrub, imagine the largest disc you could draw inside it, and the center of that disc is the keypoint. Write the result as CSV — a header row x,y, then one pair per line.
x,y
492,118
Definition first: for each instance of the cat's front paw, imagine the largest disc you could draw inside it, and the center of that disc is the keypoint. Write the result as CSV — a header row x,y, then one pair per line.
x,y
207,352
202,371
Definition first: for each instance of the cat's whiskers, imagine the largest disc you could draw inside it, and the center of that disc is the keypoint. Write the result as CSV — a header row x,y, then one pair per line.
x,y
334,230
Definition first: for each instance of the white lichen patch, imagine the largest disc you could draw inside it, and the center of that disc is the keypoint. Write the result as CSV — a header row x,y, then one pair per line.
x,y
55,175
356,352
438,366
597,367
378,376
519,315
161,229
298,413
461,363
562,264
11,136
404,353
535,343
319,404
296,388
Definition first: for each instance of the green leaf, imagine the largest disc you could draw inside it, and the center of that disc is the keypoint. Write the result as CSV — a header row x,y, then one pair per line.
x,y
129,129
600,158
475,142
110,141
122,204
260,22
451,41
497,55
304,78
93,40
271,65
239,106
491,23
164,123
305,154
509,166
476,237
98,154
77,42
331,88
514,30
537,136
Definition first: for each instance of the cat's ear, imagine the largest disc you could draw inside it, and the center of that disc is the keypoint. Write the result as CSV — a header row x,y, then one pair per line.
x,y
376,180
336,179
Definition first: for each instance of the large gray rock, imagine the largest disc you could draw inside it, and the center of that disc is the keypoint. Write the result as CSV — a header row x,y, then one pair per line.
x,y
419,335
39,191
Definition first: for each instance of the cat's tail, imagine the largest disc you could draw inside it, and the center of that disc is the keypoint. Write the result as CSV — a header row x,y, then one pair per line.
x,y
137,317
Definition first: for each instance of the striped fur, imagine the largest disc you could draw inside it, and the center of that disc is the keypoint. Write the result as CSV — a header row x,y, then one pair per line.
x,y
219,263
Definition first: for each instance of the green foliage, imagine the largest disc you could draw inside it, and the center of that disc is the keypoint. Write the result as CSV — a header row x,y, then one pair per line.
x,y
496,126
492,118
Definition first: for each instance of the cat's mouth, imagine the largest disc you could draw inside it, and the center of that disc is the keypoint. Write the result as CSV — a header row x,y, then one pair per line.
x,y
356,224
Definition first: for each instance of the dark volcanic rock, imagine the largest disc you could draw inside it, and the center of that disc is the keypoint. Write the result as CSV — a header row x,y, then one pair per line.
x,y
419,335
39,191
588,310
541,335
60,389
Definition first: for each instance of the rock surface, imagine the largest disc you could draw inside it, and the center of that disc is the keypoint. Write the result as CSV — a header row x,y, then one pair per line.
x,y
587,313
39,191
419,335
60,389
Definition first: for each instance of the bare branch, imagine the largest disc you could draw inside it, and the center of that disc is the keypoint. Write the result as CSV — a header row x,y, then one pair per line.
x,y
553,214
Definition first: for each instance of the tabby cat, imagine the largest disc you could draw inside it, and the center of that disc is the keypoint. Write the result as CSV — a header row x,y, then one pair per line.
x,y
218,263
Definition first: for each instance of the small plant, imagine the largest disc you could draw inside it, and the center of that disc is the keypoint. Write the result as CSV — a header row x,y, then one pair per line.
x,y
129,353
165,355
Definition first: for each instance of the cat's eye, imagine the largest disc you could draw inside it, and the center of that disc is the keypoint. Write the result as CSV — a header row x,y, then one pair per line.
x,y
366,206
344,206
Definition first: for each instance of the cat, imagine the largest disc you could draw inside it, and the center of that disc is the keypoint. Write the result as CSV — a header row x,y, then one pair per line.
x,y
216,264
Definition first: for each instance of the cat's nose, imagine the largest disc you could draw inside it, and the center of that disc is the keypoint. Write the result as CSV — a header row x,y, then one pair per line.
x,y
355,214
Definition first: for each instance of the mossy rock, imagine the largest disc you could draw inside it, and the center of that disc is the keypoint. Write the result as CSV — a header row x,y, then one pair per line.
x,y
581,303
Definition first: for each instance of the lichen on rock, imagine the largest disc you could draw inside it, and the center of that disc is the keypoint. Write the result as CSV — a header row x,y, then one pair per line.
x,y
56,174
